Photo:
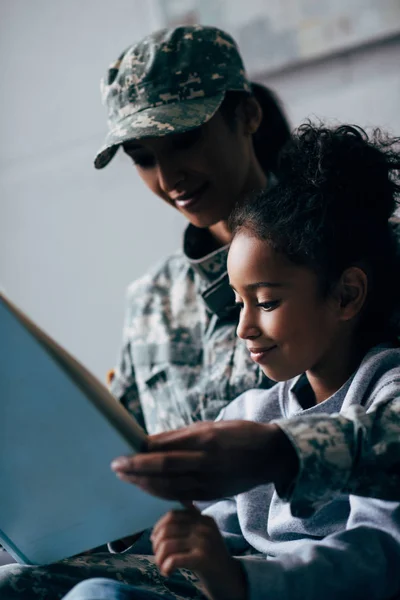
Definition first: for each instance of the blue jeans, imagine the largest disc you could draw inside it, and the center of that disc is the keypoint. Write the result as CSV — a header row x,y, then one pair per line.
x,y
109,589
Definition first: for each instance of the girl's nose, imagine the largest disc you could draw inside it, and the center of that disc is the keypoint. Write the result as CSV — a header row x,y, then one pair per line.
x,y
247,328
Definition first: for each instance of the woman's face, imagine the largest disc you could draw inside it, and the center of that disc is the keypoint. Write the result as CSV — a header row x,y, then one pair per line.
x,y
202,172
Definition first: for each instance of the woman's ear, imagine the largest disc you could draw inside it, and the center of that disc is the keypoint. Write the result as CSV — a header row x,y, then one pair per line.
x,y
249,114
351,293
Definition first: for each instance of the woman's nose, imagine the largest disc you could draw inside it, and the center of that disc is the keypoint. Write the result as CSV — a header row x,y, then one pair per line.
x,y
170,177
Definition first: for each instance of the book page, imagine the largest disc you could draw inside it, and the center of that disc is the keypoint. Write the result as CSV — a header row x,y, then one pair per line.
x,y
88,383
60,429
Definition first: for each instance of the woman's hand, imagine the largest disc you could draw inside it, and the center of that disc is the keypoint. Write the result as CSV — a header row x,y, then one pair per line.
x,y
210,460
186,539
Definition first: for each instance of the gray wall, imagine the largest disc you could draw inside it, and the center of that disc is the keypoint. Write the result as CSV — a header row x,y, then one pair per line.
x,y
72,238
362,86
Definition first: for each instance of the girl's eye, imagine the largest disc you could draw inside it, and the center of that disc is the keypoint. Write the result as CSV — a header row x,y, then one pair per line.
x,y
145,161
268,306
239,305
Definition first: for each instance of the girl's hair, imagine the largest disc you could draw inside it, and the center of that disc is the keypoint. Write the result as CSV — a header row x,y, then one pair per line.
x,y
274,130
336,190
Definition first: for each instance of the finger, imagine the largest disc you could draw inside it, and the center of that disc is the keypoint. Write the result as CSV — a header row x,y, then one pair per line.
x,y
173,533
171,527
196,528
168,548
161,463
191,560
173,517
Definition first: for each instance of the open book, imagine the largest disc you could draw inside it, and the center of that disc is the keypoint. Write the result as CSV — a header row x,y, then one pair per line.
x,y
60,428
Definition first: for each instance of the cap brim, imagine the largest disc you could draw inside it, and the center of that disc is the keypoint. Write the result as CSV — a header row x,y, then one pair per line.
x,y
158,121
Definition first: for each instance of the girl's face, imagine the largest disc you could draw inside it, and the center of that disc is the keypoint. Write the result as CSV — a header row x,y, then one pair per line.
x,y
202,172
288,326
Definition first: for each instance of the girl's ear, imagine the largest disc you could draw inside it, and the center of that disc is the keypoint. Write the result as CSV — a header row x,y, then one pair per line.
x,y
249,114
351,293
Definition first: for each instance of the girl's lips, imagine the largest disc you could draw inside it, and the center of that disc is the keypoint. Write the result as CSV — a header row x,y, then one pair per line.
x,y
188,201
259,355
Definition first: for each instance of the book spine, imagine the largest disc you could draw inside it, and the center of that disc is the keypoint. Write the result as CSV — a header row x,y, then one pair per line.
x,y
13,550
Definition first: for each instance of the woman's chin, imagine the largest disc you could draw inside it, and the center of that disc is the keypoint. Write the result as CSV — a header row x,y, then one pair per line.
x,y
210,218
203,220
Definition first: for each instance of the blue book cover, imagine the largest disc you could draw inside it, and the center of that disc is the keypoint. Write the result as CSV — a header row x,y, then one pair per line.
x,y
60,428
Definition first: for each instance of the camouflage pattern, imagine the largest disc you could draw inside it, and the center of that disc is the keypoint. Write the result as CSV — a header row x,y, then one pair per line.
x,y
171,81
181,360
52,582
181,317
355,452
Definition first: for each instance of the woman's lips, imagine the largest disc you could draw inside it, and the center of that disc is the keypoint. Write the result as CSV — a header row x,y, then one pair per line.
x,y
260,354
187,201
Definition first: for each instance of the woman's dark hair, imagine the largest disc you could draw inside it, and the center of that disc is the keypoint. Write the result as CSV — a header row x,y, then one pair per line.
x,y
336,190
274,130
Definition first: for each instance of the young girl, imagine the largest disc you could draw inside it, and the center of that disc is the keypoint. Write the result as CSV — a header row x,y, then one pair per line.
x,y
313,267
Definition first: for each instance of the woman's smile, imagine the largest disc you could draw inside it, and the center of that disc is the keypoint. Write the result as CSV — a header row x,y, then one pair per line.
x,y
190,201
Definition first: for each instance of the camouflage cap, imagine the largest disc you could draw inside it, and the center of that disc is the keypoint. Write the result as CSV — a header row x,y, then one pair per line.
x,y
170,82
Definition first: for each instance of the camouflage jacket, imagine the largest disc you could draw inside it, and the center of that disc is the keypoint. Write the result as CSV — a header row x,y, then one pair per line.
x,y
354,452
181,360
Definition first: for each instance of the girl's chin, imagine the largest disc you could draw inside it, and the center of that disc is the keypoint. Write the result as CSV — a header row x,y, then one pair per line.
x,y
280,374
272,376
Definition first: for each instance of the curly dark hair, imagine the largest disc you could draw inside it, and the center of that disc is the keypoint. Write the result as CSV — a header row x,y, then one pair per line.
x,y
337,188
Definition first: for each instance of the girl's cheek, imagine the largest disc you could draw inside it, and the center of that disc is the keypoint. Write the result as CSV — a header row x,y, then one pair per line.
x,y
274,324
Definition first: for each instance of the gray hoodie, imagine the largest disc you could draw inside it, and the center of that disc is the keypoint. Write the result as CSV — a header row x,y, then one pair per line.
x,y
350,547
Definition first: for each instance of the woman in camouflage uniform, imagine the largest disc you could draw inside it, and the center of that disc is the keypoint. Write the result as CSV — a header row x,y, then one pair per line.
x,y
202,137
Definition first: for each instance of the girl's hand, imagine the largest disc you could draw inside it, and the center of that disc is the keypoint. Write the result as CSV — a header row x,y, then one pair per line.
x,y
189,540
